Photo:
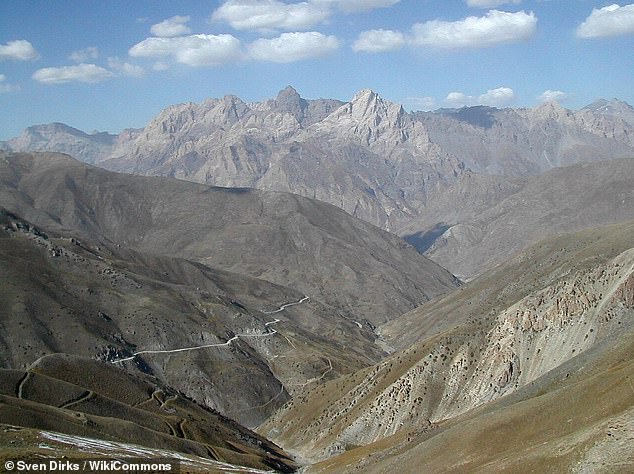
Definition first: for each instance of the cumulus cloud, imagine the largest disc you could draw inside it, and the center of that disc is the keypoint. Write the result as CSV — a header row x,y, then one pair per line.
x,y
125,69
193,50
458,99
20,50
553,96
500,97
475,32
90,73
354,6
270,15
174,26
5,87
379,41
491,3
612,20
83,55
290,47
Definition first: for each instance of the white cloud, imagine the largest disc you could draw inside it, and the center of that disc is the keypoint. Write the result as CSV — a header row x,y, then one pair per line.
x,y
83,55
290,47
354,6
553,96
458,99
379,41
125,69
79,73
612,20
491,3
4,87
174,26
20,50
500,97
193,50
270,15
475,32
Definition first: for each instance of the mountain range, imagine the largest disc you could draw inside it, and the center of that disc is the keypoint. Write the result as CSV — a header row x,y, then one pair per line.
x,y
369,157
336,286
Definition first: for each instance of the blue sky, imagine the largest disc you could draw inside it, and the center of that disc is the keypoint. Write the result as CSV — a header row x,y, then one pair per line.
x,y
109,65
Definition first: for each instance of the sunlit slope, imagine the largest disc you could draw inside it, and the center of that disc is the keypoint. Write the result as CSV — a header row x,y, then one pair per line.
x,y
562,299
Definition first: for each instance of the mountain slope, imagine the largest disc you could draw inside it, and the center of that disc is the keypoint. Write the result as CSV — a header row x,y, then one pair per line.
x,y
64,295
313,247
497,335
578,420
103,275
82,397
481,221
521,142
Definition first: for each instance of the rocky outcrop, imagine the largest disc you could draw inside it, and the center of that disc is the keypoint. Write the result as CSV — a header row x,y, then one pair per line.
x,y
523,142
479,361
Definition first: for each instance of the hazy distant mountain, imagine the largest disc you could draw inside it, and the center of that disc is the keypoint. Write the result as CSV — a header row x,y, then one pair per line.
x,y
64,139
482,220
613,108
520,142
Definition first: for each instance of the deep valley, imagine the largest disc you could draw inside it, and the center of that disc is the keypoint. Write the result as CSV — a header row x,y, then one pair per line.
x,y
323,285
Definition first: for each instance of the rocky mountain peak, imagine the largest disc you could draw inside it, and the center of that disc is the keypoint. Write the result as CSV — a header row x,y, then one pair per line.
x,y
289,92
551,107
289,101
367,103
374,120
614,107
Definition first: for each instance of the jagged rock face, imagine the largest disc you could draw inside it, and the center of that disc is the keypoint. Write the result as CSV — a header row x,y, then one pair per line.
x,y
375,122
367,156
613,108
520,142
480,360
306,112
